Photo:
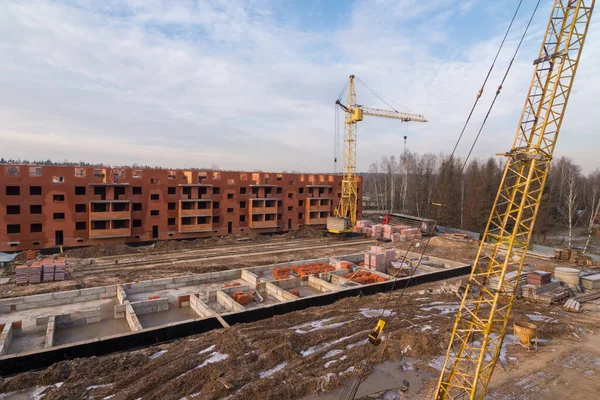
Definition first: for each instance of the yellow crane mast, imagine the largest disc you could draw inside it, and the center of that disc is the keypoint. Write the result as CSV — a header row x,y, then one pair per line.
x,y
344,218
483,315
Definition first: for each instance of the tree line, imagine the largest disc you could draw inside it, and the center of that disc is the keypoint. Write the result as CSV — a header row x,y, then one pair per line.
x,y
409,183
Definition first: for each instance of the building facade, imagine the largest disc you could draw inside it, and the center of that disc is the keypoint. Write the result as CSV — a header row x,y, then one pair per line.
x,y
50,206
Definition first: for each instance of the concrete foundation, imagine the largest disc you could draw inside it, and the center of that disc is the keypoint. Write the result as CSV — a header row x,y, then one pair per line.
x,y
56,320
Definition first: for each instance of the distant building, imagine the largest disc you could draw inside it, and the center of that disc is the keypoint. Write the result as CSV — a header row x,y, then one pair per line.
x,y
51,206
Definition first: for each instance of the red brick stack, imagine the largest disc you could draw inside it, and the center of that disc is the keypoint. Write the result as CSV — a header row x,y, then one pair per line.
x,y
241,297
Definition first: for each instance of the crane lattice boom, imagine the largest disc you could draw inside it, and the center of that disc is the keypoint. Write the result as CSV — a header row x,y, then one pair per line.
x,y
482,318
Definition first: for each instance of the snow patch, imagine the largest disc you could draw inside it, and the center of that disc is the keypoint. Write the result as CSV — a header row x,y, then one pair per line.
x,y
214,357
273,370
541,318
211,348
157,354
109,397
422,298
351,369
333,353
361,343
323,346
318,325
369,313
328,363
98,386
426,328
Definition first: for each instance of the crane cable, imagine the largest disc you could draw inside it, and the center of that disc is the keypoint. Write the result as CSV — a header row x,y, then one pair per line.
x,y
351,389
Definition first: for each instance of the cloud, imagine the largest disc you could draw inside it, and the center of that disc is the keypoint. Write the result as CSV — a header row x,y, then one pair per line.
x,y
232,83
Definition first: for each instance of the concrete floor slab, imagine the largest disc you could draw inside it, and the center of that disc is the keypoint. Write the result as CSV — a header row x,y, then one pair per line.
x,y
91,331
167,317
26,341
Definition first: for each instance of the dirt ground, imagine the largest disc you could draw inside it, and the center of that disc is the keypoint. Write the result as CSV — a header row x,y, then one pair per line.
x,y
314,352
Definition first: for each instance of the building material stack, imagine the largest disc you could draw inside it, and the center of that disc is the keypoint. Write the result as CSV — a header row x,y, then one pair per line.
x,y
59,269
539,278
575,304
591,282
21,273
510,283
48,269
34,272
548,294
569,276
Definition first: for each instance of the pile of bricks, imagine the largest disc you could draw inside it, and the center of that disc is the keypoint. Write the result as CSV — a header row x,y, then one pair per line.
x,y
281,273
21,272
228,285
34,272
379,259
47,270
364,277
395,233
304,271
241,297
295,292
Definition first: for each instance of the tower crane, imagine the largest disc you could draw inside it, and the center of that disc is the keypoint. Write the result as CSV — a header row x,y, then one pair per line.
x,y
482,319
344,217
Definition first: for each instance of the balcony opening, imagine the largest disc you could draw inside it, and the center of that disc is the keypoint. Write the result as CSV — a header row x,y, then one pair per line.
x,y
323,214
201,191
314,202
268,190
202,220
203,205
99,207
187,205
35,228
257,217
187,221
119,207
270,203
13,190
80,190
13,228
120,224
99,225
100,191
35,209
270,217
13,210
118,192
35,190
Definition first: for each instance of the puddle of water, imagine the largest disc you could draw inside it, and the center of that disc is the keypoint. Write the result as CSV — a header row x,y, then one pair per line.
x,y
386,376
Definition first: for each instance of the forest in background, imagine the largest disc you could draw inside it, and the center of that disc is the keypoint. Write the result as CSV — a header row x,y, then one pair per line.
x,y
409,183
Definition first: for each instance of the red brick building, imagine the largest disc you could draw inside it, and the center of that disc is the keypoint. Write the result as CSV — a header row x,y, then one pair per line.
x,y
49,206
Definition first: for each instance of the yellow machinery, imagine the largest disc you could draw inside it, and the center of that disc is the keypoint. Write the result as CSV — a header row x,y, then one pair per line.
x,y
345,213
482,319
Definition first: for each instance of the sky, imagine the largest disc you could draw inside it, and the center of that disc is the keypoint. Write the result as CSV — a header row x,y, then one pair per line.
x,y
252,84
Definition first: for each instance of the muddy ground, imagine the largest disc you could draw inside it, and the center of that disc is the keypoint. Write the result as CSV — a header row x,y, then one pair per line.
x,y
316,351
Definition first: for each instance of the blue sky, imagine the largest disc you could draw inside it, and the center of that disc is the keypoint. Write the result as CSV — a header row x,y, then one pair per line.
x,y
251,84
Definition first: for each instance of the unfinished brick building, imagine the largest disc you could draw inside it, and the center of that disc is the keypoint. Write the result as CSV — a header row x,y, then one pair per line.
x,y
50,206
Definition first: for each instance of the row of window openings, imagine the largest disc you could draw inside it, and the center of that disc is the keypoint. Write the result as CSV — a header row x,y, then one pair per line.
x,y
137,190
120,207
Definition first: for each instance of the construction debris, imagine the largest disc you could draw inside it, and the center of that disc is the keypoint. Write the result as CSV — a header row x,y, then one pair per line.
x,y
574,304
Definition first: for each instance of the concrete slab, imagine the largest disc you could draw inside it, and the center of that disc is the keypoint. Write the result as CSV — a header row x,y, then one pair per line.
x,y
162,318
90,331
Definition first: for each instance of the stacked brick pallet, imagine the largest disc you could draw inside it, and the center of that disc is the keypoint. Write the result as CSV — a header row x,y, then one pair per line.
x,y
379,259
59,269
21,272
510,283
41,271
241,297
539,278
395,233
48,275
591,282
281,273
34,272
